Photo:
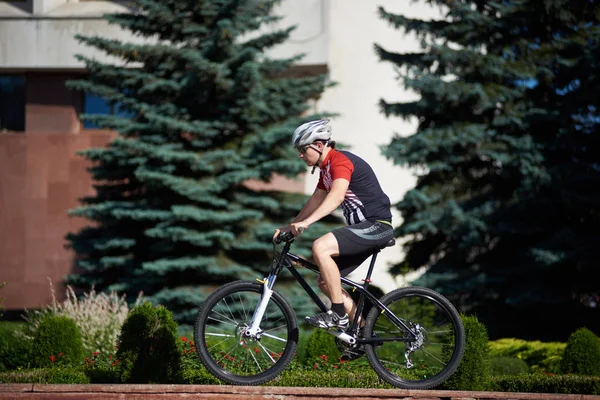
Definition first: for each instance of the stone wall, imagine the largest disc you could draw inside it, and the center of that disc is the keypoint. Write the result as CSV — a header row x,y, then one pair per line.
x,y
41,177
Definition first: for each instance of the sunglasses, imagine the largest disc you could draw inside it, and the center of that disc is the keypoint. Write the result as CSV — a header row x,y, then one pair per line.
x,y
304,149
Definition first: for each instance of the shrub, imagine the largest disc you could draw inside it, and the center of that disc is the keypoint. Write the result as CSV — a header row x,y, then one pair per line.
x,y
546,383
56,375
99,317
539,356
189,355
319,344
14,351
148,351
301,349
339,378
57,341
474,369
508,366
199,376
582,354
102,368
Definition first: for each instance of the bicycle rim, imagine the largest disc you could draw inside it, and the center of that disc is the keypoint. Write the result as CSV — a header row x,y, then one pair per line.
x,y
430,358
231,356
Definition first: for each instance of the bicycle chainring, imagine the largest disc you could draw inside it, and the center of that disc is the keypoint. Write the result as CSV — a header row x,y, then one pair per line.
x,y
341,345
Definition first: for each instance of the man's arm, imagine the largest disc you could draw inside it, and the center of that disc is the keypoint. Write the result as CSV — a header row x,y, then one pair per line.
x,y
330,203
311,205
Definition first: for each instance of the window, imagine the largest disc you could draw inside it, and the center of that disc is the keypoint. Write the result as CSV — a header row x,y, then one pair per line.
x,y
12,103
93,104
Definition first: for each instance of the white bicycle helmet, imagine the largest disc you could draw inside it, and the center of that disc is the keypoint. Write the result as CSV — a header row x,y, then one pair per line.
x,y
310,132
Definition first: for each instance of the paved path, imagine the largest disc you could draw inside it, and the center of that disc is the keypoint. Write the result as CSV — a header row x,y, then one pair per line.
x,y
143,392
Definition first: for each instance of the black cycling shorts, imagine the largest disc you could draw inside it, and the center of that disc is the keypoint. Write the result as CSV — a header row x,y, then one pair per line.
x,y
357,242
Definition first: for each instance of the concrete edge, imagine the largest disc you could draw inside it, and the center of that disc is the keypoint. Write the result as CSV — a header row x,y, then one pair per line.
x,y
278,390
16,387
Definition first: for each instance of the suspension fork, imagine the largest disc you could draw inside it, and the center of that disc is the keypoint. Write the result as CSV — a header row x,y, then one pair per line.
x,y
268,283
259,312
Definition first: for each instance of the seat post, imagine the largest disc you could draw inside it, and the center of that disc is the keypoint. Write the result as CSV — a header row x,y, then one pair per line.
x,y
361,300
367,280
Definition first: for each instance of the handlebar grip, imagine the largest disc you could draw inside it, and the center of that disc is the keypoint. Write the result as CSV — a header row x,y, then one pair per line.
x,y
284,237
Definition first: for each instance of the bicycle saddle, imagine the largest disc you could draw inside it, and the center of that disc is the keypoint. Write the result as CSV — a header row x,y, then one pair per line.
x,y
388,244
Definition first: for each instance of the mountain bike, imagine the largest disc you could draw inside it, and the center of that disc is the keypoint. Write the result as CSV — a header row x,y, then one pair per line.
x,y
246,333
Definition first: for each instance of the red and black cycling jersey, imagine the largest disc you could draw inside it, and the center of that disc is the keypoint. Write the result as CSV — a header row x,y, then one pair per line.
x,y
364,200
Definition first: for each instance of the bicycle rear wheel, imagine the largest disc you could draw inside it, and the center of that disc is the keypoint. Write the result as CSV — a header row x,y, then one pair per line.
x,y
422,362
227,353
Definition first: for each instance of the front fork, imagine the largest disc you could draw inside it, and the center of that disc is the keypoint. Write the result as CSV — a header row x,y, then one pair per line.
x,y
254,329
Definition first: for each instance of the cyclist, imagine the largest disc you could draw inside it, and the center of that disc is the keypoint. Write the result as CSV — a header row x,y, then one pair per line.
x,y
347,180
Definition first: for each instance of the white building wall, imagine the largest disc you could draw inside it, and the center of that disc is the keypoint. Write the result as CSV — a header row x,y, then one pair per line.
x,y
41,33
363,80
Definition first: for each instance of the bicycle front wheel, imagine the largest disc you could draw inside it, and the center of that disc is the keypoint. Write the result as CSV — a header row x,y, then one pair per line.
x,y
430,356
230,355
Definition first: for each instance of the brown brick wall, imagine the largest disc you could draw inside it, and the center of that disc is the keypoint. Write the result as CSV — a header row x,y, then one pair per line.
x,y
41,177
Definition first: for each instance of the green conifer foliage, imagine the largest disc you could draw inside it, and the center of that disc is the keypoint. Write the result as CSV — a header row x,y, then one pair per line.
x,y
204,109
505,213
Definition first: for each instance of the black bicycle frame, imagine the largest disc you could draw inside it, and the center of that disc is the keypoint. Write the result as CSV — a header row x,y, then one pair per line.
x,y
285,260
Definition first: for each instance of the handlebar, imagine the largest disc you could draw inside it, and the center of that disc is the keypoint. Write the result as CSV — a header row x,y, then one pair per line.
x,y
284,237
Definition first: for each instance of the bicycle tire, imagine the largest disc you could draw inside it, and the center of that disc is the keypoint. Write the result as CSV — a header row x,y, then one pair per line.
x,y
220,346
442,339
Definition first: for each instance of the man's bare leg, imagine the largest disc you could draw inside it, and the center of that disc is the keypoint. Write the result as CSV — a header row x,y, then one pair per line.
x,y
349,304
324,249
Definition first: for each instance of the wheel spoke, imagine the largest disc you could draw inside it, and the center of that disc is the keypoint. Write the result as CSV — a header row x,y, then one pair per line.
x,y
219,334
274,337
223,322
266,352
243,308
434,357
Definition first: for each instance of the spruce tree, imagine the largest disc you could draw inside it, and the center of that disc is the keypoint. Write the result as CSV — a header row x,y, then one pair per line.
x,y
504,216
204,110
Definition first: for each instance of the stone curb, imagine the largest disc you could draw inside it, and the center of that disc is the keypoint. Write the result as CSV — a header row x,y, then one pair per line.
x,y
225,392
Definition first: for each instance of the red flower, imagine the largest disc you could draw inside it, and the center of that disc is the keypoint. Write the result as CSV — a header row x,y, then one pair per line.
x,y
52,359
183,338
256,350
61,354
323,357
316,366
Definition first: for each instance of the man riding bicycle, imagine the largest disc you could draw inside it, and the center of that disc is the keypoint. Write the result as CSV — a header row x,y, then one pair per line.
x,y
346,180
